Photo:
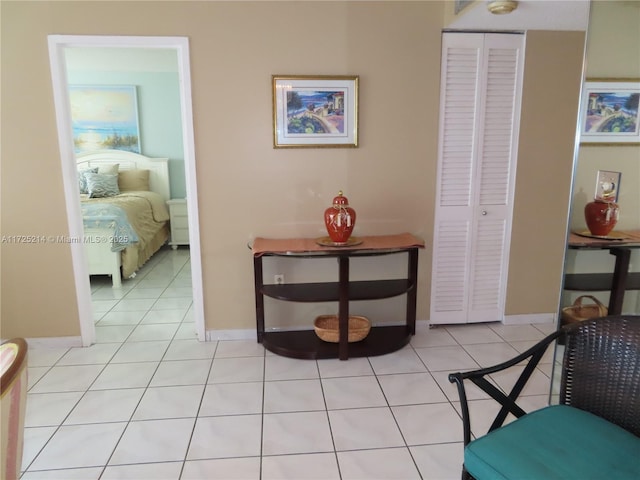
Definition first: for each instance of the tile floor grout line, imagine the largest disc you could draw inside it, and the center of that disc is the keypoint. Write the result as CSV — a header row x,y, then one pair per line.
x,y
195,423
262,412
328,417
146,389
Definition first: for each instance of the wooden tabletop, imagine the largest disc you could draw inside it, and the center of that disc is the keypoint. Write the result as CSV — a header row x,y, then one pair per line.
x,y
629,238
262,246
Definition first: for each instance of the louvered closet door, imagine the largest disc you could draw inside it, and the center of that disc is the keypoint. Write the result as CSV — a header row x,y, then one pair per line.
x,y
479,117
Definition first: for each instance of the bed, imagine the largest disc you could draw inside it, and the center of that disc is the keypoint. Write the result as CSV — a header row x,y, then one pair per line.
x,y
123,199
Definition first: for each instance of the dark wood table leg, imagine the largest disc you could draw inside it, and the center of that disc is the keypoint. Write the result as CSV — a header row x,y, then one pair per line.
x,y
258,282
618,284
413,292
343,307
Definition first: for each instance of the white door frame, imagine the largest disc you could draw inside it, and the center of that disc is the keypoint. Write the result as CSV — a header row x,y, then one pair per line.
x,y
57,44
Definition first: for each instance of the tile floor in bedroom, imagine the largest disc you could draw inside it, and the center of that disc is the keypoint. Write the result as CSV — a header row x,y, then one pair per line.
x,y
148,401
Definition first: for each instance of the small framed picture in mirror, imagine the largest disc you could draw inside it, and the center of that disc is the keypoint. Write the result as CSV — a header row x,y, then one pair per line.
x,y
607,186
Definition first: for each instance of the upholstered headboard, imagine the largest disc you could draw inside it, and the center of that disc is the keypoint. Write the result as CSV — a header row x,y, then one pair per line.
x,y
158,167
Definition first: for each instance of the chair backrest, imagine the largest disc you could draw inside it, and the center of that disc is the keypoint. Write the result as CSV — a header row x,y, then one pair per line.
x,y
601,369
13,399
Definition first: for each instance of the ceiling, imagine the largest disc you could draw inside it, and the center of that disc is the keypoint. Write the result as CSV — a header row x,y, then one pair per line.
x,y
530,15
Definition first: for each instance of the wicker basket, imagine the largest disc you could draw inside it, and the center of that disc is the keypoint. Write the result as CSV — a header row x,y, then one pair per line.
x,y
326,327
579,311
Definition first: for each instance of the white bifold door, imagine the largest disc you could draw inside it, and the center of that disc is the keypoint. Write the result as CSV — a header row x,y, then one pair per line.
x,y
481,85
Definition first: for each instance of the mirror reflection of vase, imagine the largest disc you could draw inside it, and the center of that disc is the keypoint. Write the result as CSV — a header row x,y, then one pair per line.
x,y
601,217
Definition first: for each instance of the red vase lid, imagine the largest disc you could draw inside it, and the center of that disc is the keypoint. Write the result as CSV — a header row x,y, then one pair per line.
x,y
340,199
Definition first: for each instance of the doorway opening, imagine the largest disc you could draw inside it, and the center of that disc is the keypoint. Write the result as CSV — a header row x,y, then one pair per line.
x,y
58,44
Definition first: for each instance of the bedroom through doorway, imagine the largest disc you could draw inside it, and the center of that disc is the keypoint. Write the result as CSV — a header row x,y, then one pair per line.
x,y
156,67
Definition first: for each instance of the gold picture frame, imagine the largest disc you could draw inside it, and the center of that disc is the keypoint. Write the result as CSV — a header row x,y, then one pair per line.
x,y
315,111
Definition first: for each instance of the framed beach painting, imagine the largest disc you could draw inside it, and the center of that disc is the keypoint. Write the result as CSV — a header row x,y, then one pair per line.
x,y
315,111
104,117
609,112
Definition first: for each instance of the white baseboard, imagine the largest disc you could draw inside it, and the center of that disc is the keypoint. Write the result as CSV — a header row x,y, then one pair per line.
x,y
250,334
245,334
422,325
54,342
525,319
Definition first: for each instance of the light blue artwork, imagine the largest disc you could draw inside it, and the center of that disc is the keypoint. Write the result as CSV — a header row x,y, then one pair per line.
x,y
104,117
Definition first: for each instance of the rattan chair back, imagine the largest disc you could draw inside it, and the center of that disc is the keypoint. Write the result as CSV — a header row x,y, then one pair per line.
x,y
601,369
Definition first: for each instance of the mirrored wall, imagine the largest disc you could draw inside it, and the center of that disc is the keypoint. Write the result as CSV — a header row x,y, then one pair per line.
x,y
612,61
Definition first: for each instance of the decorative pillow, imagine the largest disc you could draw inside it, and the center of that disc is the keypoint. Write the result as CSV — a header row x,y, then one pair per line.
x,y
82,181
102,185
133,180
109,169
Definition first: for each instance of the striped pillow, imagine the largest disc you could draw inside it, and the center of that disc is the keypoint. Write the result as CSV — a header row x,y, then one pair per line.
x,y
102,185
82,180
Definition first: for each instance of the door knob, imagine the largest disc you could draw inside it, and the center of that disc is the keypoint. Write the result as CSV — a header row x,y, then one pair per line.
x,y
484,212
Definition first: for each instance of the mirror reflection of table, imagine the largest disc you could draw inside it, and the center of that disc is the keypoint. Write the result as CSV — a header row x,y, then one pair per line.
x,y
619,244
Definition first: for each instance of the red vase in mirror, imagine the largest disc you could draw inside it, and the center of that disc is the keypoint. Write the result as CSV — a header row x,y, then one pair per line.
x,y
340,219
601,217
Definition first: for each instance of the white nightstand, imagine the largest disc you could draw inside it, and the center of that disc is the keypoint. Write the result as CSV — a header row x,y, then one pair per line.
x,y
179,222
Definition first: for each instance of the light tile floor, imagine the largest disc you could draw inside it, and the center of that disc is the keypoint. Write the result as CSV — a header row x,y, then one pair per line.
x,y
148,401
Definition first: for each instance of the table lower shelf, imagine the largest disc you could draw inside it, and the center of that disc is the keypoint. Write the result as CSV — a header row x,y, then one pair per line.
x,y
593,282
305,344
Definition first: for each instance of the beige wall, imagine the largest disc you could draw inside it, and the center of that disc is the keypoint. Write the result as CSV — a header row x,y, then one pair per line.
x,y
38,291
246,188
552,76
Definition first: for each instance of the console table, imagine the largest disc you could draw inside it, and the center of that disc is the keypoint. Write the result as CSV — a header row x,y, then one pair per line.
x,y
617,282
305,343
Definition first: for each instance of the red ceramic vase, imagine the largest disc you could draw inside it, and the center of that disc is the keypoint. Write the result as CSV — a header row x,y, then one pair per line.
x,y
601,217
340,219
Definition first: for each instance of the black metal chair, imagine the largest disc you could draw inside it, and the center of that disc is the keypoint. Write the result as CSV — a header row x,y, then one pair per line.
x,y
593,433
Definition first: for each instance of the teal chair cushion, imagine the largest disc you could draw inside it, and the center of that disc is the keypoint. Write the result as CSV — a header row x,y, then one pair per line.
x,y
556,442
